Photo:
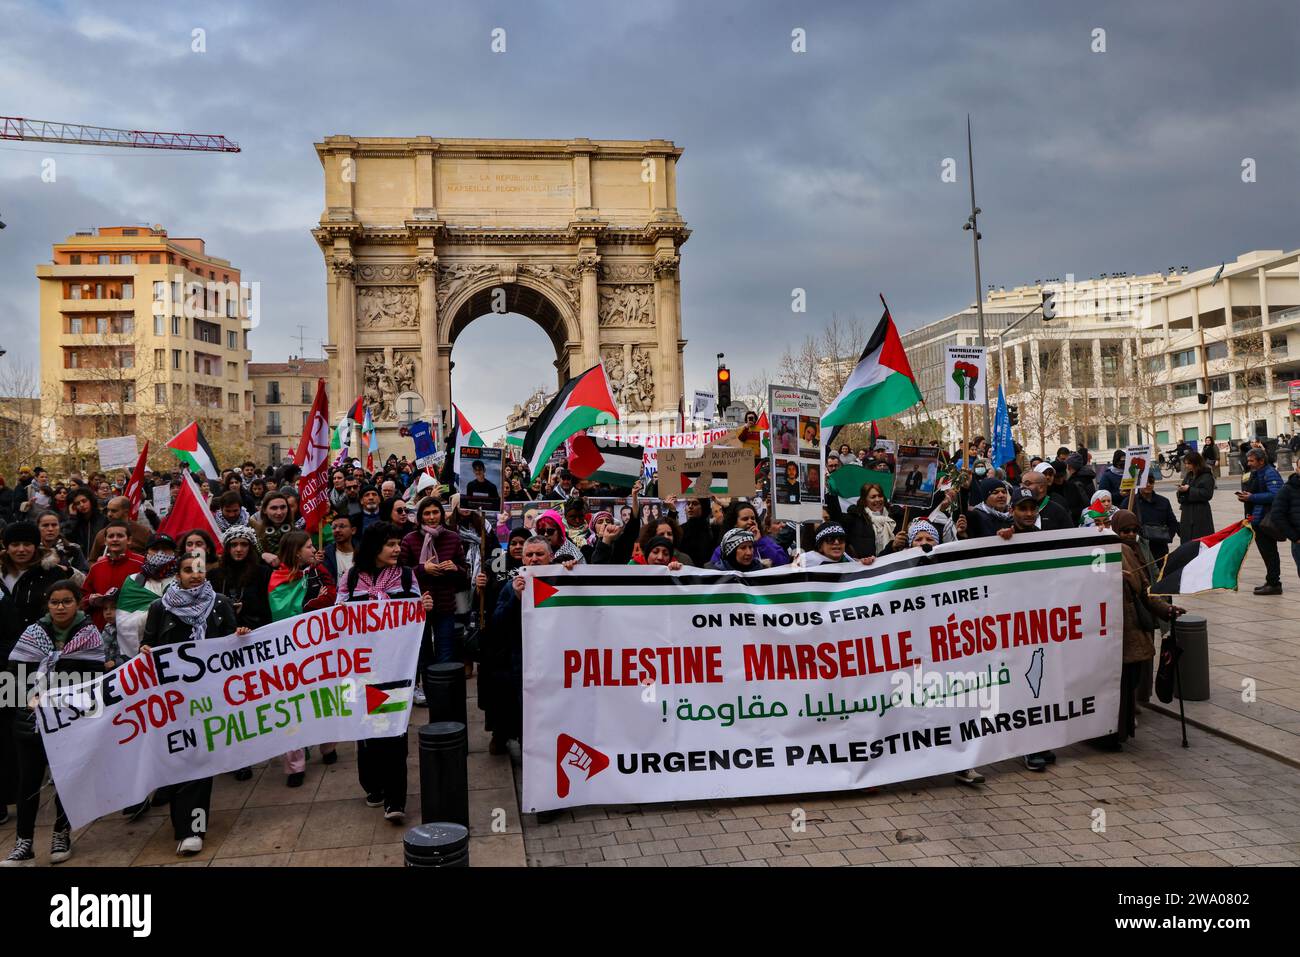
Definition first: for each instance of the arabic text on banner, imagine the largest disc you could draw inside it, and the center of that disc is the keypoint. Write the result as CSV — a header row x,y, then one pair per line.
x,y
660,686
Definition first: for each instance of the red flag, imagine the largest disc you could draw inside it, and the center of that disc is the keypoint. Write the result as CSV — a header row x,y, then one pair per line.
x,y
135,485
313,458
189,512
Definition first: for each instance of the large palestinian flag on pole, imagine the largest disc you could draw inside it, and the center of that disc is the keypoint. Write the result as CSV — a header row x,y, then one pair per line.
x,y
584,401
881,384
193,450
1206,563
464,435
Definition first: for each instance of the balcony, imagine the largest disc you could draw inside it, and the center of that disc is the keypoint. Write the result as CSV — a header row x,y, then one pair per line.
x,y
92,340
96,305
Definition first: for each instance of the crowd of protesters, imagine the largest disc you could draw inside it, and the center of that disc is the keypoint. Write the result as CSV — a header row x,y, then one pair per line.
x,y
70,546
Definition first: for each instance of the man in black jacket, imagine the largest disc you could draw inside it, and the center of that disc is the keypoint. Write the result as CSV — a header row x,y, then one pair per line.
x,y
1159,523
1051,514
1080,484
1286,514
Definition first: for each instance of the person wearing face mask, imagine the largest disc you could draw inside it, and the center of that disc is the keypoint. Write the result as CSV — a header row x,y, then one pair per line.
x,y
189,611
141,590
63,643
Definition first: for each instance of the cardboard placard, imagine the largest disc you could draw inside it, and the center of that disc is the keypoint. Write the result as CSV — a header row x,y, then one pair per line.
x,y
118,453
713,470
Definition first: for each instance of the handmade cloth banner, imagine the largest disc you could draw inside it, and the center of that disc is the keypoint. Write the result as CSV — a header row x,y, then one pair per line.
x,y
660,686
195,709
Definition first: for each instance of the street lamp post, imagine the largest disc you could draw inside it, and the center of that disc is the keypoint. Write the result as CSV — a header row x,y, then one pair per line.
x,y
972,224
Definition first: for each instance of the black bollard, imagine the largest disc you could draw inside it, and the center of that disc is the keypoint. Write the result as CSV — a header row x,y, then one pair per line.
x,y
444,688
444,772
436,845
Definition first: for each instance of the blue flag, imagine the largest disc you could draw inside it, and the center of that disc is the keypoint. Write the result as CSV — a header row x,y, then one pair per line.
x,y
422,435
1004,449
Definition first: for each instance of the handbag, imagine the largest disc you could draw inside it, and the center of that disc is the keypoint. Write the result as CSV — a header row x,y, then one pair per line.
x,y
1157,533
1165,673
1268,525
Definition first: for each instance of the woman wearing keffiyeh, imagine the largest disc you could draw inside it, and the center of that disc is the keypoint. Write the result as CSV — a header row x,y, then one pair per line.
x,y
63,647
189,611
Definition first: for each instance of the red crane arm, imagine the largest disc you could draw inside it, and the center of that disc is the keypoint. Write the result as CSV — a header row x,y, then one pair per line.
x,y
18,128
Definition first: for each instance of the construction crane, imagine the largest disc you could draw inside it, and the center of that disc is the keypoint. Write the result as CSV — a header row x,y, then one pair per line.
x,y
45,131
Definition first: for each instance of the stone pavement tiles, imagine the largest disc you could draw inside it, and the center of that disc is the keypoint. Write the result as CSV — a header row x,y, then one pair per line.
x,y
260,822
1254,650
1155,804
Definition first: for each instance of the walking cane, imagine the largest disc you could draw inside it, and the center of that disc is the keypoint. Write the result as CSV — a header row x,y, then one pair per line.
x,y
1178,680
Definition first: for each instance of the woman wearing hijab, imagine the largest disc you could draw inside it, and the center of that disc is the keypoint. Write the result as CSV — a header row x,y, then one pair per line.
x,y
378,575
436,554
1100,511
992,512
738,552
191,610
63,643
498,672
1141,613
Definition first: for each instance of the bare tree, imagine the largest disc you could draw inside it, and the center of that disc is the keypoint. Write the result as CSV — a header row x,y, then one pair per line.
x,y
1040,401
1250,361
20,417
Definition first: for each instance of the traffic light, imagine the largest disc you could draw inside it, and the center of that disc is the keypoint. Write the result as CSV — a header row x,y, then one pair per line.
x,y
1013,415
724,389
1049,305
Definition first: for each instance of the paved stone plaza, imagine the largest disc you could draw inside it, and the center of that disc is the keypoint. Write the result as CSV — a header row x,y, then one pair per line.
x,y
1232,798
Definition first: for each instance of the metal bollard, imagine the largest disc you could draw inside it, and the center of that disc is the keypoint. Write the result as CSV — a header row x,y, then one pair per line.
x,y
1194,665
444,772
444,689
436,845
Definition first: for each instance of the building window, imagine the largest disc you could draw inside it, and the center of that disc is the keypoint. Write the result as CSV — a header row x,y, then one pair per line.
x,y
1219,383
103,259
74,291
73,359
74,259
128,392
273,393
1222,432
126,259
159,327
303,424
1277,344
273,423
160,393
126,359
159,358
128,290
232,401
155,259
159,290
176,325
74,325
232,340
1191,435
275,452
1250,380
1184,358
1216,350
306,393
176,359
101,325
178,393
1184,389
1162,437
72,393
232,371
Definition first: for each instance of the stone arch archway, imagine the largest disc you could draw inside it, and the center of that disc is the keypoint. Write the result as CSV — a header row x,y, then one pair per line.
x,y
581,236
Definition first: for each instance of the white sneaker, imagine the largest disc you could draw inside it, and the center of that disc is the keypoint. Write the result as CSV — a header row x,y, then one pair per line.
x,y
970,776
418,699
189,846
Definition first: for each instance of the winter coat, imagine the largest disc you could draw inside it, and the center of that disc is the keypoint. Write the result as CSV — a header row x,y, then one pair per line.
x,y
1263,485
1286,507
250,598
25,603
443,587
982,524
699,539
1197,520
765,548
1156,512
1078,491
1053,516
162,627
1110,480
82,531
1139,644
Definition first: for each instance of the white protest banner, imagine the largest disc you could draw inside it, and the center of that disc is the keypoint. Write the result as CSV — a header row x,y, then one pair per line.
x,y
118,453
195,709
653,442
790,681
964,380
1137,464
162,499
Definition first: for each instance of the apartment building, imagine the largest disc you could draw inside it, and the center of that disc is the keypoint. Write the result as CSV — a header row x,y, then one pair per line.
x,y
282,396
142,333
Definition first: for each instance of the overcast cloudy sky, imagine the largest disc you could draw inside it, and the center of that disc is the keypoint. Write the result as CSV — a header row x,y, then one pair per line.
x,y
818,170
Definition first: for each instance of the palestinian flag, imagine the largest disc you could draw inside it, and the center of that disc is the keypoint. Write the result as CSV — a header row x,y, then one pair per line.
x,y
881,384
465,434
1096,514
388,697
618,466
584,401
287,593
515,441
704,483
134,596
193,450
846,483
1206,563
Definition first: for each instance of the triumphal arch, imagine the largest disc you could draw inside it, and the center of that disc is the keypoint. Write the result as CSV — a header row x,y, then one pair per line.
x,y
421,236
